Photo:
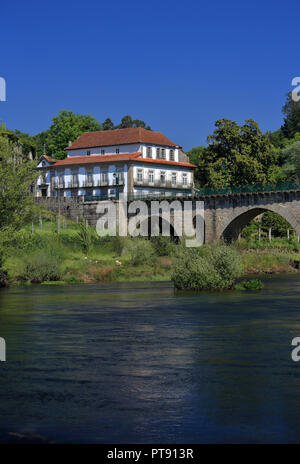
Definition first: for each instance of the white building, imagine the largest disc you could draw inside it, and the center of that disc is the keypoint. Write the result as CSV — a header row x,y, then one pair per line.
x,y
133,161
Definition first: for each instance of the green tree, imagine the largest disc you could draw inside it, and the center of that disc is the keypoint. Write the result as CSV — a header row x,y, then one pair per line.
x,y
108,124
127,122
16,181
278,224
291,110
65,127
291,167
236,155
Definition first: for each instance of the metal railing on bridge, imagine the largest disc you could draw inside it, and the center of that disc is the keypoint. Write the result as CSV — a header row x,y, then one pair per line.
x,y
256,188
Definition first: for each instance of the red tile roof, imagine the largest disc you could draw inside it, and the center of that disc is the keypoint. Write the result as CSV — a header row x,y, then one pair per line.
x,y
120,137
94,159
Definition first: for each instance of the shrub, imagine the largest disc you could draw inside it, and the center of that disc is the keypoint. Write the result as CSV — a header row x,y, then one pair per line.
x,y
40,267
161,245
141,251
254,284
84,236
118,244
209,267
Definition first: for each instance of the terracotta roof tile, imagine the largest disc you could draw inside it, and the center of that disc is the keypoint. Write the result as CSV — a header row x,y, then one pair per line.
x,y
120,137
73,160
94,159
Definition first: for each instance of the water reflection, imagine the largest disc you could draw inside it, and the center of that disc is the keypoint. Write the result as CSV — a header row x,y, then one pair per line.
x,y
140,363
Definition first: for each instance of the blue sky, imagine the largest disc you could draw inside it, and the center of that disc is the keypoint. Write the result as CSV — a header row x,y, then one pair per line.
x,y
179,66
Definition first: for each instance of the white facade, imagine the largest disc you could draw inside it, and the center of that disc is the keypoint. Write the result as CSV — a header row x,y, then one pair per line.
x,y
147,150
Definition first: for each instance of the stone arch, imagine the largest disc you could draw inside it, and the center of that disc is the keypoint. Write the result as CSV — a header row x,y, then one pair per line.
x,y
239,219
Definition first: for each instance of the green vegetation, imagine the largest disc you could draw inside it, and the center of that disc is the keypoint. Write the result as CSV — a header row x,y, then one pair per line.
x,y
210,267
254,284
46,256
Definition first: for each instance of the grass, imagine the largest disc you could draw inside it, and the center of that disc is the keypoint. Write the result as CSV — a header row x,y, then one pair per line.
x,y
99,262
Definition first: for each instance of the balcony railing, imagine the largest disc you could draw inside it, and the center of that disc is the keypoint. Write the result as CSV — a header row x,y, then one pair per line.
x,y
162,184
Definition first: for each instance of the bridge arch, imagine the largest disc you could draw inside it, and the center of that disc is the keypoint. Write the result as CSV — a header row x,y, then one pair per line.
x,y
234,224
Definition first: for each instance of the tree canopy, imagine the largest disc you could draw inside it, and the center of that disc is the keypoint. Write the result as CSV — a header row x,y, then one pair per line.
x,y
235,155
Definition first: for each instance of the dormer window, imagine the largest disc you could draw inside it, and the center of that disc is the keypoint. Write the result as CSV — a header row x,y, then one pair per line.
x,y
102,151
158,153
163,153
172,155
88,152
149,152
117,151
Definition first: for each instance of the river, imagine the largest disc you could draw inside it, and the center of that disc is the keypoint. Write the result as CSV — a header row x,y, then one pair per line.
x,y
140,363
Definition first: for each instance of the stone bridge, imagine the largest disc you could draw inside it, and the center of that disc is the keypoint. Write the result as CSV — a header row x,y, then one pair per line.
x,y
225,215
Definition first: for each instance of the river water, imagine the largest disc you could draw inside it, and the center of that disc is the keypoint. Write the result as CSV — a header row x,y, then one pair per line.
x,y
140,363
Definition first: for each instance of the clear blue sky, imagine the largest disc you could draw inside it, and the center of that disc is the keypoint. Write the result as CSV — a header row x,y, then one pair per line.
x,y
177,65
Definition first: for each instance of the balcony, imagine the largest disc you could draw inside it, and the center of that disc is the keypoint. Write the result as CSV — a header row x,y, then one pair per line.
x,y
162,184
55,184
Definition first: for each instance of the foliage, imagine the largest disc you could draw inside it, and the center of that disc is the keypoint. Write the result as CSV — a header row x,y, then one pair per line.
x,y
278,224
291,110
141,251
118,244
41,266
211,267
291,167
65,127
236,155
84,236
16,180
253,284
161,245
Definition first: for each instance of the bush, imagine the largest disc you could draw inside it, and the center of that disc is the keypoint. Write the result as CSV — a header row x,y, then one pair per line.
x,y
40,267
84,237
209,267
118,244
141,251
161,245
254,284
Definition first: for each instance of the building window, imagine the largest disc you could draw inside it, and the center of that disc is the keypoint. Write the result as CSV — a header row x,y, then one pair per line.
x,y
151,176
61,180
117,151
163,177
158,153
102,151
104,177
174,178
139,175
88,152
172,155
74,179
184,179
163,153
90,178
149,152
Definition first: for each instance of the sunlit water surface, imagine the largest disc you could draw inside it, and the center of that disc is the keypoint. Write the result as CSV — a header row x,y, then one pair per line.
x,y
140,363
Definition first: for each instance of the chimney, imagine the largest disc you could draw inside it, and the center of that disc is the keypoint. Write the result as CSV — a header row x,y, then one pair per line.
x,y
70,143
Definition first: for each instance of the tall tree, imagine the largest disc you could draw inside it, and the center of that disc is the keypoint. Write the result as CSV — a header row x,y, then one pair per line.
x,y
108,124
291,110
66,127
236,155
16,181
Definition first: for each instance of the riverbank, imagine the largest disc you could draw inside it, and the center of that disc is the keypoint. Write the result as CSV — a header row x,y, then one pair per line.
x,y
78,255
